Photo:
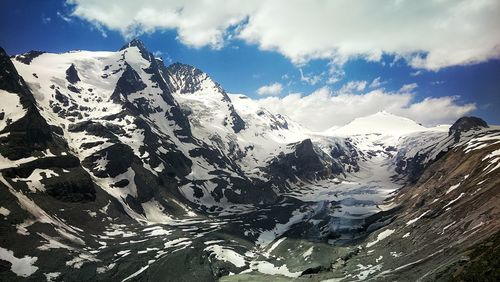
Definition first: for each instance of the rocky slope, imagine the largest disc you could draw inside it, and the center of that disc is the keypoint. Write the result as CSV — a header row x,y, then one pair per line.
x,y
117,167
441,227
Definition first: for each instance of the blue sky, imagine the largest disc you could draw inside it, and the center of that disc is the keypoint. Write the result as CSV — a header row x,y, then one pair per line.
x,y
243,65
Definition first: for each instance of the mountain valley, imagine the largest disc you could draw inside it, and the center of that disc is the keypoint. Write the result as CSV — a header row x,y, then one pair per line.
x,y
117,167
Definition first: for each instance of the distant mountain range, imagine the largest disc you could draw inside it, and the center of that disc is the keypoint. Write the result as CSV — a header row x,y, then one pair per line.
x,y
114,166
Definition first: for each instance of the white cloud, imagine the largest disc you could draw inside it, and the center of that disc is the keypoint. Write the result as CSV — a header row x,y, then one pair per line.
x,y
353,86
408,87
198,23
377,82
437,82
335,72
416,73
432,111
324,108
164,56
427,34
310,79
64,17
46,20
273,89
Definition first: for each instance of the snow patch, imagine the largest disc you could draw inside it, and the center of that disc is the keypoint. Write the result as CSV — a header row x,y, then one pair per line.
x,y
269,268
23,267
308,253
381,236
226,254
141,270
5,212
11,108
51,276
454,200
453,187
416,219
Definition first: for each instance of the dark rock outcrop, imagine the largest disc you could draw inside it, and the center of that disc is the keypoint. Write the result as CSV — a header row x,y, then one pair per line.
x,y
128,83
73,186
140,45
465,124
118,158
26,169
189,75
72,74
304,162
28,57
30,132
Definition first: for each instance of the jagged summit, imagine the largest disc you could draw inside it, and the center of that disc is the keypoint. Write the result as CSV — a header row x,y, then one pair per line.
x,y
189,79
184,69
180,65
134,43
142,49
199,87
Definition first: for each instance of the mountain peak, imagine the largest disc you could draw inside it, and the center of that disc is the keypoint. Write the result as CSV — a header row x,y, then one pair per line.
x,y
134,43
142,48
464,124
380,123
178,67
383,112
188,79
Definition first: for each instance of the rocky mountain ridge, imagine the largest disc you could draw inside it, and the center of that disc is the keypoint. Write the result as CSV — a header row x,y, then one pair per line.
x,y
100,150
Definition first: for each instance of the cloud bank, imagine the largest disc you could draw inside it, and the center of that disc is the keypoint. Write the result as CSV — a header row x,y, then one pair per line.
x,y
427,34
273,89
324,108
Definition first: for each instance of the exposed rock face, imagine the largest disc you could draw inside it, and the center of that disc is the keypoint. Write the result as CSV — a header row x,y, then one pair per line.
x,y
111,161
349,158
142,49
73,186
72,74
11,81
452,207
130,82
441,227
187,79
30,132
303,162
412,167
28,57
465,124
433,146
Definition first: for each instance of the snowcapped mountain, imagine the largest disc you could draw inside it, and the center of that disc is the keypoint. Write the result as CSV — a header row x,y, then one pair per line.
x,y
379,123
122,168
